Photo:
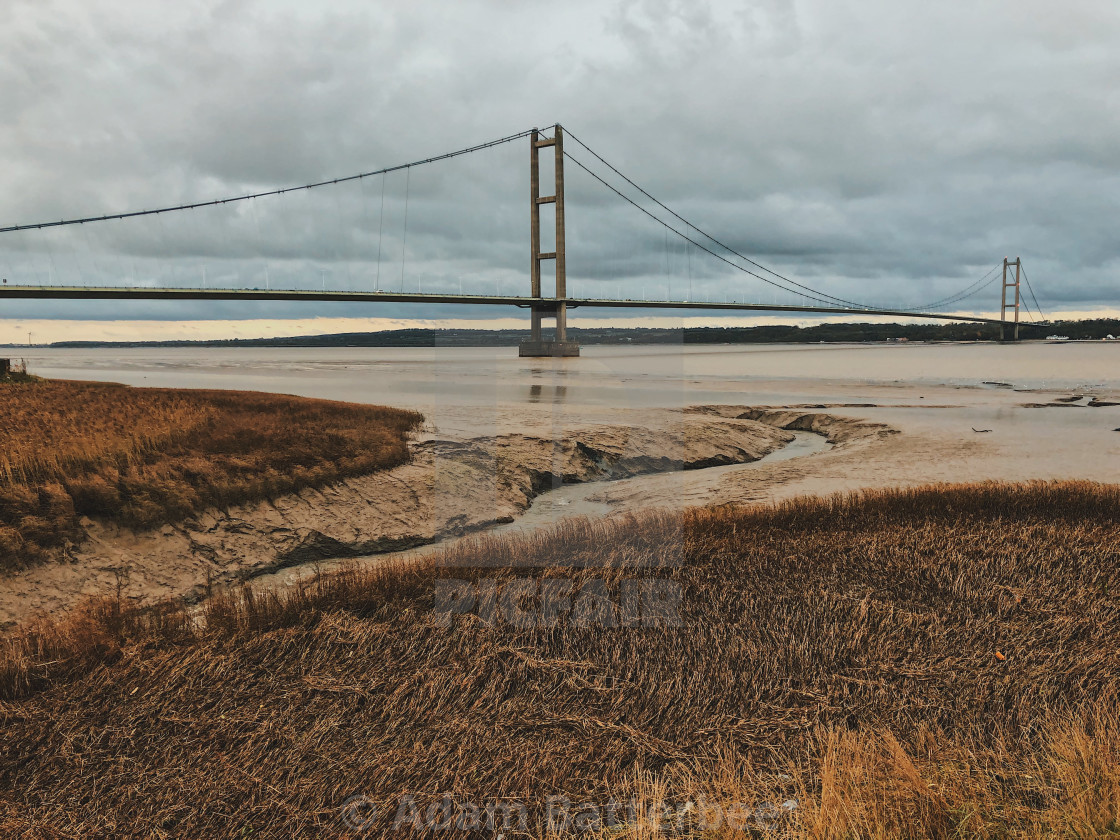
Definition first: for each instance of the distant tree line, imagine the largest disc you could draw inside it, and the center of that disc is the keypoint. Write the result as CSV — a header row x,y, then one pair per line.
x,y
768,334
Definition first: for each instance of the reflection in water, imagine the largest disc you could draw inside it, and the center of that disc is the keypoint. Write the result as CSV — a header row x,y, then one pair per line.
x,y
559,394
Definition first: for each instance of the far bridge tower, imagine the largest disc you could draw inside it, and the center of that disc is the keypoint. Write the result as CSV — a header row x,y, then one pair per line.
x,y
1010,281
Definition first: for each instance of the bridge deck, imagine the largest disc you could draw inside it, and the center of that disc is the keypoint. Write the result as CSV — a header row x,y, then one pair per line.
x,y
154,293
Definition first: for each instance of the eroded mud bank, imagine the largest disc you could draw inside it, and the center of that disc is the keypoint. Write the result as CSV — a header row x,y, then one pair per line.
x,y
451,487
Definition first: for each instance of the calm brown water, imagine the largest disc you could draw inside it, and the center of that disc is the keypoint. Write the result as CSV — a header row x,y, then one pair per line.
x,y
476,389
937,392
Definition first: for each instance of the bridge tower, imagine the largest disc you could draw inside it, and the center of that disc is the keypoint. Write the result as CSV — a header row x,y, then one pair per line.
x,y
1012,283
554,307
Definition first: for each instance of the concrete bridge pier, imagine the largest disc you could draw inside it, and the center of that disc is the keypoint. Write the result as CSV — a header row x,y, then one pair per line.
x,y
559,345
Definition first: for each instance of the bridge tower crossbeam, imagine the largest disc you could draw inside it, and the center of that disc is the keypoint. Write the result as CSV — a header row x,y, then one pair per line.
x,y
556,307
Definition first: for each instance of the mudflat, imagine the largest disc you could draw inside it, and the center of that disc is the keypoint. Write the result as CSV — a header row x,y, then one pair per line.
x,y
639,428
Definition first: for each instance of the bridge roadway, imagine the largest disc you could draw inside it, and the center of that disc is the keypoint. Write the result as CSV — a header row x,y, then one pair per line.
x,y
543,304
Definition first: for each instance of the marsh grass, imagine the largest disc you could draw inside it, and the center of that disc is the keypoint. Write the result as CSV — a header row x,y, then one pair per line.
x,y
925,663
146,456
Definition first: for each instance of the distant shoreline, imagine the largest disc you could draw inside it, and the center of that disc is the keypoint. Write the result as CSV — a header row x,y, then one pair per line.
x,y
1089,330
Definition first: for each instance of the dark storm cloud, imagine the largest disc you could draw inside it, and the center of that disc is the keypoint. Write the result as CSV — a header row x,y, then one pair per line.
x,y
880,151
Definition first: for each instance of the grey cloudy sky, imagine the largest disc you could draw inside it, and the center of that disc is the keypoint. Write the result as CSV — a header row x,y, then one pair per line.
x,y
881,151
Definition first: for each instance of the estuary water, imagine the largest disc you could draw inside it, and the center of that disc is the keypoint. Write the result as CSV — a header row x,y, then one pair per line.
x,y
969,411
478,389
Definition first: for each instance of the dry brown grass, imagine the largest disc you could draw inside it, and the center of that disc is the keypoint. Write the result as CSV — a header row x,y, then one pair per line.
x,y
866,783
145,456
931,663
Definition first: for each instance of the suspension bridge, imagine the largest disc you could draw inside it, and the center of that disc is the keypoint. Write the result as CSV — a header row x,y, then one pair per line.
x,y
540,304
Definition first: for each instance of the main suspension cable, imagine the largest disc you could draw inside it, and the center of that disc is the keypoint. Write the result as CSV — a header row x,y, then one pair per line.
x,y
705,234
688,238
230,200
967,292
957,296
1029,289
